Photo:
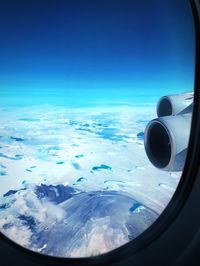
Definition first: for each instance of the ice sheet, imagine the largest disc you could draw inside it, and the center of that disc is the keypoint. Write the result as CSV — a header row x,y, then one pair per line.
x,y
68,154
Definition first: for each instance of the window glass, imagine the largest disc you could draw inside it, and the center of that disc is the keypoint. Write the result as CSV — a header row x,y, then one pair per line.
x,y
80,82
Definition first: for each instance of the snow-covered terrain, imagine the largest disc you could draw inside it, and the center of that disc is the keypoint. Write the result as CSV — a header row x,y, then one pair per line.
x,y
77,182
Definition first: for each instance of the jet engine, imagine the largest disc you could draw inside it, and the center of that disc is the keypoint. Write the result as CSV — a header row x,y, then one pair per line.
x,y
175,104
166,137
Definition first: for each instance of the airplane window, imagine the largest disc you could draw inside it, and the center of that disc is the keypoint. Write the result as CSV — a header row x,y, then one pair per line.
x,y
96,102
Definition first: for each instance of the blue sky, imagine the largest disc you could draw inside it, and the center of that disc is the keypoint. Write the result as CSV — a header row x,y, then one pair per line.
x,y
92,50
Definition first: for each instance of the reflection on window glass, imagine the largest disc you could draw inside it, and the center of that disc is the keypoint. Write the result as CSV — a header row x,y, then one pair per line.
x,y
80,81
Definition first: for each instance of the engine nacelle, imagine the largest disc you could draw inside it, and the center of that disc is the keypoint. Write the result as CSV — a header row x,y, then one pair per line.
x,y
175,104
166,138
